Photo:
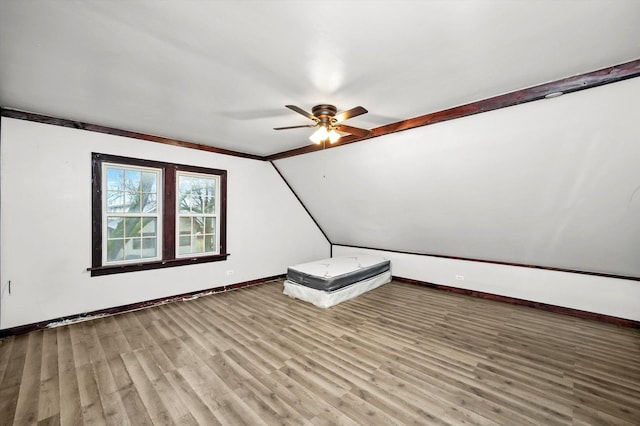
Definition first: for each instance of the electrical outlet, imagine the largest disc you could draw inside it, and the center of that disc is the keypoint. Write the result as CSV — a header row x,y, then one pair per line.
x,y
230,272
460,277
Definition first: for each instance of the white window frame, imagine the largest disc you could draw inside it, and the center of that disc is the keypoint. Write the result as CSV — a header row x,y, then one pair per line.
x,y
215,214
157,215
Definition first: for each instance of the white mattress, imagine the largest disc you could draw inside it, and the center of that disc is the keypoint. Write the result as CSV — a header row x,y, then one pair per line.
x,y
327,282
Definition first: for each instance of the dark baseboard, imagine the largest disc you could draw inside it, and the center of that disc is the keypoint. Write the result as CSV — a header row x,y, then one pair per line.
x,y
21,329
537,305
499,262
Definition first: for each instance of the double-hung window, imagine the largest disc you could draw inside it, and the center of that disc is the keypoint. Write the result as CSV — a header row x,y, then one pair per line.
x,y
131,216
197,214
150,214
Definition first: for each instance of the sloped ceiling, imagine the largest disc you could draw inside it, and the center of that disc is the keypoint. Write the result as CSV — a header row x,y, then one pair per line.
x,y
219,73
552,183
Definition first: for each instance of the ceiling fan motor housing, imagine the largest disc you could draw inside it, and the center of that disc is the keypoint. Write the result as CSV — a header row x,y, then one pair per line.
x,y
324,113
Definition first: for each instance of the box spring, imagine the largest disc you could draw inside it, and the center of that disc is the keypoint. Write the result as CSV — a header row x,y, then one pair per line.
x,y
328,282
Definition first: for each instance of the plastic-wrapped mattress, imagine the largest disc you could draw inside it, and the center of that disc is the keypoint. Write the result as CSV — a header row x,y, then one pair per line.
x,y
328,282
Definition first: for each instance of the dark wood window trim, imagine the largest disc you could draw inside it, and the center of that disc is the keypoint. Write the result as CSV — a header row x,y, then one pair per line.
x,y
168,214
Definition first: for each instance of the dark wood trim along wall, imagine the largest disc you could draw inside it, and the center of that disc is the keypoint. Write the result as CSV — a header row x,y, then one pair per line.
x,y
38,118
497,262
537,305
566,85
131,307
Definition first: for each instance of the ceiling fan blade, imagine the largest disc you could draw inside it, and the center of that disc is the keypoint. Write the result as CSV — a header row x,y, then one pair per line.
x,y
356,131
294,127
353,112
301,112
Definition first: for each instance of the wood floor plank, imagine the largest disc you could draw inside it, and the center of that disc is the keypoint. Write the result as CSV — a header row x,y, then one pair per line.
x,y
264,398
70,404
5,354
197,409
309,401
234,411
27,404
206,384
50,421
133,405
274,388
92,409
231,370
49,398
146,391
400,354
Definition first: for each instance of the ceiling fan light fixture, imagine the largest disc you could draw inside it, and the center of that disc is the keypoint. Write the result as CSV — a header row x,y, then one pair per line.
x,y
333,136
319,135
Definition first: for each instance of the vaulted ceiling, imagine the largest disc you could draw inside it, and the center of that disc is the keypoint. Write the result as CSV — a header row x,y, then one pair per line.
x,y
219,73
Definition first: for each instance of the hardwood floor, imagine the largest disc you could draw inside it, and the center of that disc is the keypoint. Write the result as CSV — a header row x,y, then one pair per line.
x,y
400,354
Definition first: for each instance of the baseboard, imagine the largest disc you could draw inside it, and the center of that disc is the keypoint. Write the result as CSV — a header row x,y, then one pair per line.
x,y
21,329
537,305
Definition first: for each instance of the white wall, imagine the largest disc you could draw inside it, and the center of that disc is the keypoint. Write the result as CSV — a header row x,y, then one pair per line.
x,y
45,213
602,295
552,183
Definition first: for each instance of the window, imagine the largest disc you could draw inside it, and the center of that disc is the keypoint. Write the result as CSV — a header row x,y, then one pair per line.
x,y
131,217
149,214
197,214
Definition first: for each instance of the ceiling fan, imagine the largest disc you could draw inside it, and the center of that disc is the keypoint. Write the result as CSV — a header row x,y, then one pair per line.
x,y
328,122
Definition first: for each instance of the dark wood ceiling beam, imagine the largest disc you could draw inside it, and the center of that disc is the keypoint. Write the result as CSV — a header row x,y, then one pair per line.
x,y
566,85
601,77
21,115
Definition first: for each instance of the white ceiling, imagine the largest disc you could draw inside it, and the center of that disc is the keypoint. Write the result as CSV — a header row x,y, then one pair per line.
x,y
220,72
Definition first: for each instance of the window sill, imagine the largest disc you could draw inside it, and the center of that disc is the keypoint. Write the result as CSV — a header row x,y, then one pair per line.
x,y
131,267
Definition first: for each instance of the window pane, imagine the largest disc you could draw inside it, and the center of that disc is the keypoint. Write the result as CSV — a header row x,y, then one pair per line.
x,y
197,185
198,225
209,205
132,248
115,250
115,179
149,226
132,226
184,204
149,247
149,203
115,201
132,180
197,244
197,203
132,202
149,183
211,187
184,245
115,227
209,243
184,185
209,225
185,226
